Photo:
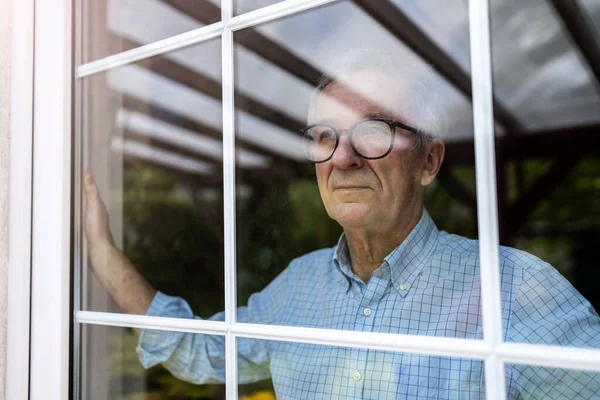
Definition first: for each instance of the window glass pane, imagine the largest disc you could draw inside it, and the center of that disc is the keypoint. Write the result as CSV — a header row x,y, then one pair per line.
x,y
447,23
116,365
151,138
420,280
112,26
534,382
277,369
593,9
244,6
547,179
539,74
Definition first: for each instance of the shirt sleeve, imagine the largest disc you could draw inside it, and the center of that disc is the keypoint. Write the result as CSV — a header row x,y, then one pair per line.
x,y
198,358
549,310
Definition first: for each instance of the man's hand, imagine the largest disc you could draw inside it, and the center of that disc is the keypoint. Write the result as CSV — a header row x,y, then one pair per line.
x,y
97,230
132,293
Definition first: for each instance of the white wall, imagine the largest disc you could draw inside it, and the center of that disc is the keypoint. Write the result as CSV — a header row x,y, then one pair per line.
x,y
5,84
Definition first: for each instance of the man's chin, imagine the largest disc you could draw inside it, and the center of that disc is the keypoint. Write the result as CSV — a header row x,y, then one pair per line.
x,y
353,214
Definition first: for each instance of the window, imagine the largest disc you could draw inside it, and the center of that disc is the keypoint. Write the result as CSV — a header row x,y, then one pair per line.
x,y
191,116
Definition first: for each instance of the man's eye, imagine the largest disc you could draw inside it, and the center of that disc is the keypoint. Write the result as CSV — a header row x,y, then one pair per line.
x,y
328,134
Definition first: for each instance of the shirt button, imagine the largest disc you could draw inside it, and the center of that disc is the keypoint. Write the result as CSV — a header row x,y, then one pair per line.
x,y
357,376
403,287
367,311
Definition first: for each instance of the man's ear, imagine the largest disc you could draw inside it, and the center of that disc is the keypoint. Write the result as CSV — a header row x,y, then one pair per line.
x,y
434,156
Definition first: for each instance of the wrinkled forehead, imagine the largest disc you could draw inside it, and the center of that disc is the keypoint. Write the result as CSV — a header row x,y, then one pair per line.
x,y
349,99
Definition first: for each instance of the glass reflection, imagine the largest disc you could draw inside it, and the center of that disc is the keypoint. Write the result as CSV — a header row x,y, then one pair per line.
x,y
533,382
244,6
111,369
546,199
153,144
336,85
308,371
112,26
532,56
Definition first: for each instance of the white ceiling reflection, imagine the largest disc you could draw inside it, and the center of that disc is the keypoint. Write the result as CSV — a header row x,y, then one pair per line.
x,y
445,22
255,78
160,157
244,6
323,36
147,21
158,130
592,7
539,74
155,89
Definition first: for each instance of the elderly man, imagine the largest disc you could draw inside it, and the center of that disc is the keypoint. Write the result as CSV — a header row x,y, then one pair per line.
x,y
392,271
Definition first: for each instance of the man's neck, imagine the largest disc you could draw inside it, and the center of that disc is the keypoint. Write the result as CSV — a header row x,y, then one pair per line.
x,y
368,249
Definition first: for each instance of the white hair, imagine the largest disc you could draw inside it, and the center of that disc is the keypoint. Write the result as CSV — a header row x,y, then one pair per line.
x,y
420,104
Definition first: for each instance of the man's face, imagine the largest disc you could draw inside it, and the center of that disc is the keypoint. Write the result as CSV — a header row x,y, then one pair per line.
x,y
361,193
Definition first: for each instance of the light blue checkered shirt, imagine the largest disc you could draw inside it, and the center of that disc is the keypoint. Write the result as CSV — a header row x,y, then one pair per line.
x,y
429,285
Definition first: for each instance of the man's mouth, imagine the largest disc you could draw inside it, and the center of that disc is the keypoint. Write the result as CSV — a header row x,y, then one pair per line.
x,y
349,187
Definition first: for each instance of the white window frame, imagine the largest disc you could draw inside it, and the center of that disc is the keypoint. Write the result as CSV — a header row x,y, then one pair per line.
x,y
19,264
51,318
51,204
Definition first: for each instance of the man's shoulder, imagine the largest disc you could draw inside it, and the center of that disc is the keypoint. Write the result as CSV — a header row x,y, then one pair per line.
x,y
311,264
510,258
321,256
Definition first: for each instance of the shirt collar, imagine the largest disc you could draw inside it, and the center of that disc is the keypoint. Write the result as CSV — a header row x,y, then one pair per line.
x,y
406,261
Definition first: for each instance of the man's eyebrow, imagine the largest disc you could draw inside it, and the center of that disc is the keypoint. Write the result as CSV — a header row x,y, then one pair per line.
x,y
377,115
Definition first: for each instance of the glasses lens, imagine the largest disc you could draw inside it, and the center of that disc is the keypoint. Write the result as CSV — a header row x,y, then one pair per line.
x,y
372,138
319,143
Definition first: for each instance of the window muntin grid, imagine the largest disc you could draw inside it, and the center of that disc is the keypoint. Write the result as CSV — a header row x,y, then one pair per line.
x,y
494,354
153,142
287,196
113,26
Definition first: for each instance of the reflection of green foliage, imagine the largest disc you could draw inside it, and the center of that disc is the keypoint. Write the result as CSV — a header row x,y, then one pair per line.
x,y
572,215
175,240
448,213
275,226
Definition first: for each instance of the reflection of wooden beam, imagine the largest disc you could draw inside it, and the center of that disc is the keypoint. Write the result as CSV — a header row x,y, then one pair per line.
x,y
526,204
161,65
210,181
201,10
206,12
278,162
405,30
582,32
457,190
131,103
540,144
178,150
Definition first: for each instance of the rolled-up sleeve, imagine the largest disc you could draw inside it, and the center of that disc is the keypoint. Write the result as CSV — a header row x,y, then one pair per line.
x,y
198,358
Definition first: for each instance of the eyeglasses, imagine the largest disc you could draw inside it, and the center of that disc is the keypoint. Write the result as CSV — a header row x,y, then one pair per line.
x,y
371,138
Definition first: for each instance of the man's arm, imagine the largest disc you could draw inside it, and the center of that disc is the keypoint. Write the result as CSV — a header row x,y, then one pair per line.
x,y
132,293
195,358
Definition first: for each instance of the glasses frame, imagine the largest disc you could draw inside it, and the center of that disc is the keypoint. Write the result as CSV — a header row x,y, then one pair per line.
x,y
392,123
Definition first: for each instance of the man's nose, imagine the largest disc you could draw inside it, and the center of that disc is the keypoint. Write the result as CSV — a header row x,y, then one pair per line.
x,y
345,156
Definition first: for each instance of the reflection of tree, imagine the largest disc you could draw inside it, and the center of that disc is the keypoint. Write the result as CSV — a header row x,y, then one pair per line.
x,y
173,233
175,238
